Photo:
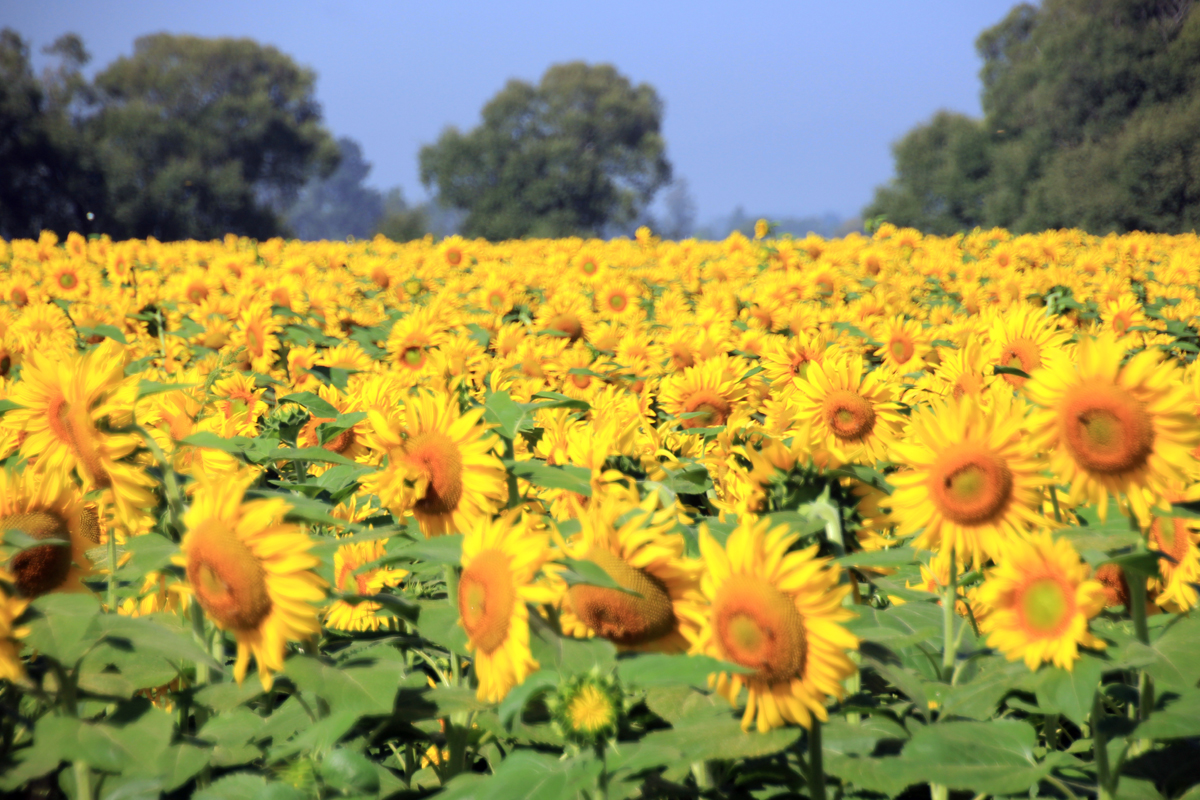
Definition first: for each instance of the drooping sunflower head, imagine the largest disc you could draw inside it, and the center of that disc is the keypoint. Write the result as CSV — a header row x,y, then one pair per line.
x,y
501,560
46,509
775,613
354,576
633,541
250,571
1039,599
1113,429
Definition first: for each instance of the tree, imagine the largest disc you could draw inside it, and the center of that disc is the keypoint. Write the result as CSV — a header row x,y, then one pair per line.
x,y
202,137
46,180
580,151
1091,119
679,216
338,206
401,222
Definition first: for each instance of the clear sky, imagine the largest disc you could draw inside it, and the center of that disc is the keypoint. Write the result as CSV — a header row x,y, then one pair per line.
x,y
785,108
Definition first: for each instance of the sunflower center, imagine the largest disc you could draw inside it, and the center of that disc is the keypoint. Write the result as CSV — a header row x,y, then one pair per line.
x,y
67,280
41,569
454,257
1172,539
439,459
711,405
617,302
621,617
569,324
1046,606
486,598
971,485
758,626
227,578
848,414
413,356
589,267
1022,354
901,348
590,710
1106,430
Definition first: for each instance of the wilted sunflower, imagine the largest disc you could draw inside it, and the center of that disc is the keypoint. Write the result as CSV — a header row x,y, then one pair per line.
x,y
774,612
500,559
971,481
1112,429
441,464
251,572
1039,599
846,412
634,545
47,509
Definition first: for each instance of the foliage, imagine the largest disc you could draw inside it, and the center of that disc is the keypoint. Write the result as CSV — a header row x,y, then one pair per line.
x,y
338,206
578,152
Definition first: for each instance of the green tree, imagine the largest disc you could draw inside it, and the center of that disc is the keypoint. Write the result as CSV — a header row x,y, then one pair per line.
x,y
202,137
580,151
400,221
339,205
46,179
1090,120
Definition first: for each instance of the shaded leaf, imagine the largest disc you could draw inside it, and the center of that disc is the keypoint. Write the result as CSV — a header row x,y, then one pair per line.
x,y
661,669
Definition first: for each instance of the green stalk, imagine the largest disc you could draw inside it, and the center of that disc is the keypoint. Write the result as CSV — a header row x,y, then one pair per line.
x,y
202,672
1104,787
1050,731
83,781
700,771
1054,500
949,644
602,778
112,572
816,764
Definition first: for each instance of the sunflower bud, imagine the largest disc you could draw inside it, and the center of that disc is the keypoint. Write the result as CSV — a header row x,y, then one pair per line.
x,y
588,709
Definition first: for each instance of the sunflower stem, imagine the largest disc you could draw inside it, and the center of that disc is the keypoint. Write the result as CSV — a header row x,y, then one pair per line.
x,y
1050,731
949,644
938,791
1104,786
602,778
112,571
202,639
816,765
1137,607
1054,500
83,780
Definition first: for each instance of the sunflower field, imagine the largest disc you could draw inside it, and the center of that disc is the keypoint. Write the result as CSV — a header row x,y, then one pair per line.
x,y
877,517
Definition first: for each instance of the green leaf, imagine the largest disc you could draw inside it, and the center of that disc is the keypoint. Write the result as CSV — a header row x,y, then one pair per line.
x,y
328,431
557,400
700,739
978,697
567,655
589,573
8,405
178,763
568,476
1172,660
150,637
908,683
317,455
1179,720
108,331
995,757
531,775
149,553
363,690
64,629
438,623
349,771
313,403
895,557
1070,692
148,388
661,669
116,748
247,786
56,739
516,700
693,478
840,736
438,550
1000,370
235,445
224,697
506,414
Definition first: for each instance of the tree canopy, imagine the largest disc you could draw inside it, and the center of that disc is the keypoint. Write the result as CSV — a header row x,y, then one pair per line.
x,y
580,151
339,205
1091,120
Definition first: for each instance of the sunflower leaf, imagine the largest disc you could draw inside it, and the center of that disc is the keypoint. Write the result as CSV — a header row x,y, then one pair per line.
x,y
107,331
315,405
652,670
1001,370
581,572
548,476
148,388
1070,692
328,431
8,405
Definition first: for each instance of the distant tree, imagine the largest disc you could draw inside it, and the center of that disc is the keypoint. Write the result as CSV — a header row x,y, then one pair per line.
x,y
46,179
202,137
401,222
1091,119
679,212
580,151
339,205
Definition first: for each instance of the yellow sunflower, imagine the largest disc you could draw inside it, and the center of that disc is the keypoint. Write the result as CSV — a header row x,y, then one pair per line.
x,y
1177,538
1023,336
440,466
352,576
632,542
1112,429
47,509
710,390
500,559
777,613
250,572
971,481
1039,599
11,608
850,414
905,344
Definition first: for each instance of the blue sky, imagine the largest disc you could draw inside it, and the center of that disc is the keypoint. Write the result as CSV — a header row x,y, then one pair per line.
x,y
785,108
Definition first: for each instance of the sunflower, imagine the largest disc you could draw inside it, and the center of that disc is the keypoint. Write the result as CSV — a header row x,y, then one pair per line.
x,y
632,542
1177,538
1115,430
786,359
350,442
1023,336
257,335
775,613
250,572
905,344
352,576
47,509
971,481
441,464
850,414
708,392
500,559
1039,599
11,608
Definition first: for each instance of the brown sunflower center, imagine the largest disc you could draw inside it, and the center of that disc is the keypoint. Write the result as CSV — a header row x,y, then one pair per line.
x,y
1022,354
41,569
567,323
758,626
848,414
1106,429
901,348
971,485
711,406
621,617
228,580
486,598
1170,536
438,457
1116,588
1045,606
